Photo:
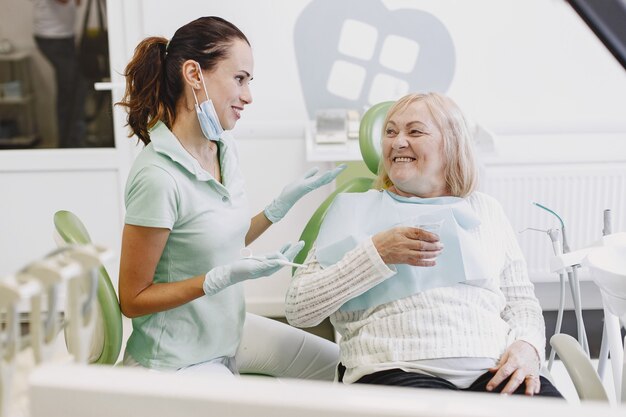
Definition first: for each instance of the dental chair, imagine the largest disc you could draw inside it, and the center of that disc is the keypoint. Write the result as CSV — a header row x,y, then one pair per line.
x,y
370,144
370,132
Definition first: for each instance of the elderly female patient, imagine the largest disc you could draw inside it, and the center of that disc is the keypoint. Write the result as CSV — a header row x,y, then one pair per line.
x,y
413,310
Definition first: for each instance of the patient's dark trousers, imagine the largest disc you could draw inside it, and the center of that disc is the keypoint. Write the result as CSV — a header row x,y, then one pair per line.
x,y
401,378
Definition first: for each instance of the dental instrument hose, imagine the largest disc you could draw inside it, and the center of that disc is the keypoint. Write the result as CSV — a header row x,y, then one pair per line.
x,y
574,284
572,276
603,356
558,250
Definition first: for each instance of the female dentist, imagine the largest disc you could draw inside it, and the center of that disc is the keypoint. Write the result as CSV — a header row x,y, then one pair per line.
x,y
188,218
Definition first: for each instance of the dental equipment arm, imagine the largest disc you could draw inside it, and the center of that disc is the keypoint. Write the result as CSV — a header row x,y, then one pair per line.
x,y
11,293
50,274
311,180
69,265
572,275
555,238
223,276
77,267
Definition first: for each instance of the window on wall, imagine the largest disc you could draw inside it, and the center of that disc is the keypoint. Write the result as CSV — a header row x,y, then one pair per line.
x,y
52,55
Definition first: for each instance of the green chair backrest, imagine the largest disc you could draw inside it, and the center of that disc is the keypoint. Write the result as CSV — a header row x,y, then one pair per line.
x,y
72,231
370,135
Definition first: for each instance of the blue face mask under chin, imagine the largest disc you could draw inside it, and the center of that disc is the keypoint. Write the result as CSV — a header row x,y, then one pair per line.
x,y
209,122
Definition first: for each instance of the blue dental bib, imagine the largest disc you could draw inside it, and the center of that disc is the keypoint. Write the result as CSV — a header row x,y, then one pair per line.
x,y
353,217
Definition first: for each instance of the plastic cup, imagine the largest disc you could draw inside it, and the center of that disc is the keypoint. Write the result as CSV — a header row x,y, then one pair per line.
x,y
433,227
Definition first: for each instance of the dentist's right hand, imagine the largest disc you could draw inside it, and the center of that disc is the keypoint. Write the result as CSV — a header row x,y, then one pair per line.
x,y
223,276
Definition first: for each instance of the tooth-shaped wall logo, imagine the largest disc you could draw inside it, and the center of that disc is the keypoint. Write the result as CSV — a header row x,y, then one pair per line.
x,y
356,53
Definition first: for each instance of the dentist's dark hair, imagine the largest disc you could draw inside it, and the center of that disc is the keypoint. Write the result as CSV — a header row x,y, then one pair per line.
x,y
154,75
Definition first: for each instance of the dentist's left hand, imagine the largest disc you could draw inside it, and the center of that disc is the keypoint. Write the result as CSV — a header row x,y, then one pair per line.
x,y
293,192
223,276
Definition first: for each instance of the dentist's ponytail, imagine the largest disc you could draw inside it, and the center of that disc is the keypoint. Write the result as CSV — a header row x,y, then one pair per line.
x,y
153,76
145,81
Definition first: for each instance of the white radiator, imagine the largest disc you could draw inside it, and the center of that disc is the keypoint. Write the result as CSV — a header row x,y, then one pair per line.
x,y
579,193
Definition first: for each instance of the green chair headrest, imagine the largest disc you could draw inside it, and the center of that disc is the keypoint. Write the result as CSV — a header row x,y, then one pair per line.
x,y
70,228
370,134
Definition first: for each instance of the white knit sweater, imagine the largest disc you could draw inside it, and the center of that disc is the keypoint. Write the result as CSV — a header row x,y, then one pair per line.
x,y
465,320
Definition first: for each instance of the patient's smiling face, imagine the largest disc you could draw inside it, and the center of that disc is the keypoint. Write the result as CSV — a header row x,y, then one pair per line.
x,y
413,153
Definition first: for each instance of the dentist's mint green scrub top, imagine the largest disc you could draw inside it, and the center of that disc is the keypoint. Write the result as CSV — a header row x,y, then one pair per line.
x,y
167,188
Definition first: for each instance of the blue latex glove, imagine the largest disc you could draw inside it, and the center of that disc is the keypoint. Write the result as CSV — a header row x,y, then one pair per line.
x,y
223,276
297,189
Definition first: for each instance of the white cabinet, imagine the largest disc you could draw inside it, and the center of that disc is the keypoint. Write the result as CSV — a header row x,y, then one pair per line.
x,y
18,127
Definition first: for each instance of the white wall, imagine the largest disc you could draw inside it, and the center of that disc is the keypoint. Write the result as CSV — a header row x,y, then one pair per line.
x,y
521,66
54,180
523,69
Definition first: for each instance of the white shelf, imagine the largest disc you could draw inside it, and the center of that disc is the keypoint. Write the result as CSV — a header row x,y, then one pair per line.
x,y
315,152
17,66
14,56
15,100
19,141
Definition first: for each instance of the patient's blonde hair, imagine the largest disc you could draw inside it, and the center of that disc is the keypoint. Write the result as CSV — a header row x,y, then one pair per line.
x,y
460,170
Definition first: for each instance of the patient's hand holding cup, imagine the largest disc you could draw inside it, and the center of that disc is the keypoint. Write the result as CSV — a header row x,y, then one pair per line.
x,y
431,227
434,228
